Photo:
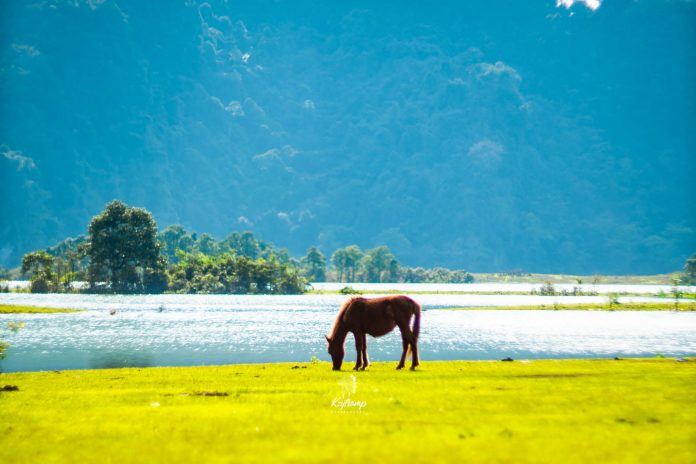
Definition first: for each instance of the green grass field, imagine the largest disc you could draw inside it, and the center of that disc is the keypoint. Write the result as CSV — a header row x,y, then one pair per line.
x,y
542,411
653,306
13,309
659,279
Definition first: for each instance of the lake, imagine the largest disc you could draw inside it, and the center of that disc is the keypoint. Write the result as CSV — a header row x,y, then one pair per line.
x,y
173,330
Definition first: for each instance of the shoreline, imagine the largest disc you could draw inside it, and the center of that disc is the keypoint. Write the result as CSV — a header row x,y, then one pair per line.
x,y
347,365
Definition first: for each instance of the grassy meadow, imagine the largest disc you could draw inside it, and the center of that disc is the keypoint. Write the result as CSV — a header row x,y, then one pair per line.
x,y
634,306
658,279
456,411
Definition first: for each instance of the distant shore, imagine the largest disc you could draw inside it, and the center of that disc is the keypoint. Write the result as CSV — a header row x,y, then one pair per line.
x,y
632,306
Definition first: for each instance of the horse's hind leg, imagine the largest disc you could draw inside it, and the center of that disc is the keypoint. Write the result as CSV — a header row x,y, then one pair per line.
x,y
408,340
404,342
365,362
414,348
359,337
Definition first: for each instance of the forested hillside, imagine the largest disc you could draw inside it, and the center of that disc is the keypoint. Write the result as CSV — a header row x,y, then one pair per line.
x,y
532,137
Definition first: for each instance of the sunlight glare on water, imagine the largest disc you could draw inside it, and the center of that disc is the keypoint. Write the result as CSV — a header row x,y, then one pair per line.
x,y
154,330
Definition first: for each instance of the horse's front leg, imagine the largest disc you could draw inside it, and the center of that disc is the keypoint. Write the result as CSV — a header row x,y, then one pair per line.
x,y
365,362
359,348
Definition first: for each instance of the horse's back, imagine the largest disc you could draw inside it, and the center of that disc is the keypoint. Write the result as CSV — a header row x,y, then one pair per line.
x,y
379,316
403,303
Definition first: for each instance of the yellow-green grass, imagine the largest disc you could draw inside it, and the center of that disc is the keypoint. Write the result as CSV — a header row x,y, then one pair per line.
x,y
542,411
11,309
660,279
638,306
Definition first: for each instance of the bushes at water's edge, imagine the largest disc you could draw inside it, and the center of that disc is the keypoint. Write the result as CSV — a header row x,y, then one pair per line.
x,y
197,273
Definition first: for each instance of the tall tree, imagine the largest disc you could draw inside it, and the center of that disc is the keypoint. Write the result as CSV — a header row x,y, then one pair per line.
x,y
353,257
380,265
123,247
175,238
206,244
347,262
314,265
39,266
338,260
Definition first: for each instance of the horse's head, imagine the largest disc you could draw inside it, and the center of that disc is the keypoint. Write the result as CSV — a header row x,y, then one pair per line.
x,y
337,352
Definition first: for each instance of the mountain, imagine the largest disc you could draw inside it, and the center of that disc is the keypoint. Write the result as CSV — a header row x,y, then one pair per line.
x,y
477,135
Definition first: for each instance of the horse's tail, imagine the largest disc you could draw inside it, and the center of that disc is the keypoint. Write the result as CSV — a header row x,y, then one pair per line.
x,y
416,327
416,320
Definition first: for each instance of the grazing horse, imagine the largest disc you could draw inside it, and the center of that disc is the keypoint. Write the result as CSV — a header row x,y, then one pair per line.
x,y
376,317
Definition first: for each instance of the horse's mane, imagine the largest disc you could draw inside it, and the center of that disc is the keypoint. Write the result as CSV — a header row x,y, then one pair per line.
x,y
339,316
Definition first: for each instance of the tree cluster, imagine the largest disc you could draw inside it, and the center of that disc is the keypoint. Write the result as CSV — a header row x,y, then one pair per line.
x,y
175,239
123,253
199,273
351,264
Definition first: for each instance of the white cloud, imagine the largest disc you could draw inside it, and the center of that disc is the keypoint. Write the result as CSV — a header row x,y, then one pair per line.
x,y
285,217
527,107
308,105
457,81
289,151
245,57
25,49
497,69
486,152
244,220
253,108
591,4
235,108
21,160
272,154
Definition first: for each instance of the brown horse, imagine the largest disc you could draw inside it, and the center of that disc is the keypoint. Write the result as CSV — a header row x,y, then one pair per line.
x,y
376,317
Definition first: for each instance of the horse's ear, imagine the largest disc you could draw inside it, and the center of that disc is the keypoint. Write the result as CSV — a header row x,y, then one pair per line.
x,y
327,338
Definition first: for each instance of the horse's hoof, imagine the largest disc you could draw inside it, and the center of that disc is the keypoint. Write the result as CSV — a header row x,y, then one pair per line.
x,y
399,367
363,368
413,368
356,368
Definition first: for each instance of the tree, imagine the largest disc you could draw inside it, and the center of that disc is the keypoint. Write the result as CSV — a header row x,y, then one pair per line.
x,y
123,248
155,278
39,266
347,262
207,245
689,275
314,265
338,260
380,265
175,238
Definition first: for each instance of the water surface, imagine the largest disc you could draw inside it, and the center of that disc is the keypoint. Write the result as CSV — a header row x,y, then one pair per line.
x,y
158,330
